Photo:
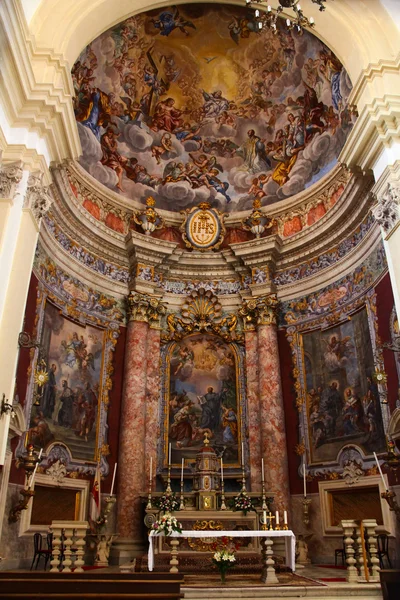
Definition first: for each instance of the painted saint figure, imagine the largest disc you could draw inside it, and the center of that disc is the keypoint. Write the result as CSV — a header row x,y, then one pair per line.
x,y
211,409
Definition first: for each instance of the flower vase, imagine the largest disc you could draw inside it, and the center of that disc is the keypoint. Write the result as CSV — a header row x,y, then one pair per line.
x,y
223,576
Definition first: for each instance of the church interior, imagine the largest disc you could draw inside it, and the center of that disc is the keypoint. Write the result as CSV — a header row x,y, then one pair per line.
x,y
200,347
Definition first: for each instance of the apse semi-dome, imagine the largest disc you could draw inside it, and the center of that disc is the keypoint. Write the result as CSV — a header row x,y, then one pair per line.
x,y
194,103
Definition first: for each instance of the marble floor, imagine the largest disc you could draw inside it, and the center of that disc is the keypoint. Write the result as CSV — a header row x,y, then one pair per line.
x,y
335,587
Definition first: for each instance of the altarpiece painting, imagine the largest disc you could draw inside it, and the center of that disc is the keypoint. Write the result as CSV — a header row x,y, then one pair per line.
x,y
70,404
202,394
342,399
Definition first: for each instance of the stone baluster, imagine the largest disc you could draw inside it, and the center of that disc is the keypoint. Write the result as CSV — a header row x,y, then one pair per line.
x,y
360,554
80,529
67,562
268,575
348,530
57,542
174,562
370,526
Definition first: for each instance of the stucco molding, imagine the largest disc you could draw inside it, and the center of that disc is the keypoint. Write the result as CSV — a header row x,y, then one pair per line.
x,y
387,209
38,198
36,86
10,176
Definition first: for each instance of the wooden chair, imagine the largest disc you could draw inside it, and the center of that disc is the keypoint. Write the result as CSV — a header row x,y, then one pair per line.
x,y
342,553
383,550
39,551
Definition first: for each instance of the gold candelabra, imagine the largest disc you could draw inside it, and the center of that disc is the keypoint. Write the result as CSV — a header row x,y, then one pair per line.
x,y
182,498
223,505
29,462
16,510
306,505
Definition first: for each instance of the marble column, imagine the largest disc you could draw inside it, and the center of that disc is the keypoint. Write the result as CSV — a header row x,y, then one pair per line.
x,y
139,376
261,314
254,426
152,401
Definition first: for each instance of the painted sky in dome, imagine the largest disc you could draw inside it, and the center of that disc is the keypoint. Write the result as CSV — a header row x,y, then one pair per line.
x,y
193,103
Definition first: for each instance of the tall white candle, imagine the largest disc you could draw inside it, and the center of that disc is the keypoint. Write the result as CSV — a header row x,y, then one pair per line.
x,y
36,466
277,517
380,471
304,479
169,455
113,479
285,517
262,470
264,517
222,470
151,468
183,464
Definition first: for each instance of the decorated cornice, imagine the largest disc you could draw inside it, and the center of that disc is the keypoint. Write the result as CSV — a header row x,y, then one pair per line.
x,y
321,307
202,313
75,295
145,308
93,261
38,197
387,209
10,176
259,311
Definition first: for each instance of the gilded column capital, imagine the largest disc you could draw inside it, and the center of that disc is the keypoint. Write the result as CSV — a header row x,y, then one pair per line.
x,y
10,176
259,311
145,308
387,209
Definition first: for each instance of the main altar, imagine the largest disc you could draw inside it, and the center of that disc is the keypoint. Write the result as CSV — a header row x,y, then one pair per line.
x,y
207,514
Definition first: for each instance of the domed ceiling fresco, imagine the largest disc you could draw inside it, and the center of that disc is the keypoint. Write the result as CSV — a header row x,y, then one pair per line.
x,y
193,103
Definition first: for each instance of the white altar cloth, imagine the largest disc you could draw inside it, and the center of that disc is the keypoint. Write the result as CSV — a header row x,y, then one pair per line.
x,y
290,540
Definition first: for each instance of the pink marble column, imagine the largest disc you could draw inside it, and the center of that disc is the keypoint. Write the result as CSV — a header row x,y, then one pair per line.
x,y
272,416
131,463
253,410
152,401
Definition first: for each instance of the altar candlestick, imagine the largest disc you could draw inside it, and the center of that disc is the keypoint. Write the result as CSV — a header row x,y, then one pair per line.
x,y
183,464
285,517
222,470
169,454
242,454
380,471
113,479
26,440
151,468
262,470
277,517
304,479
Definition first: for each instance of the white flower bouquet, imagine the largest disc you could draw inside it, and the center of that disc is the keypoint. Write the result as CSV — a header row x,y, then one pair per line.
x,y
167,525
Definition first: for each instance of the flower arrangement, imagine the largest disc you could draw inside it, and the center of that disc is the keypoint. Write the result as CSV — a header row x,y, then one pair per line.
x,y
167,525
168,503
224,556
242,502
